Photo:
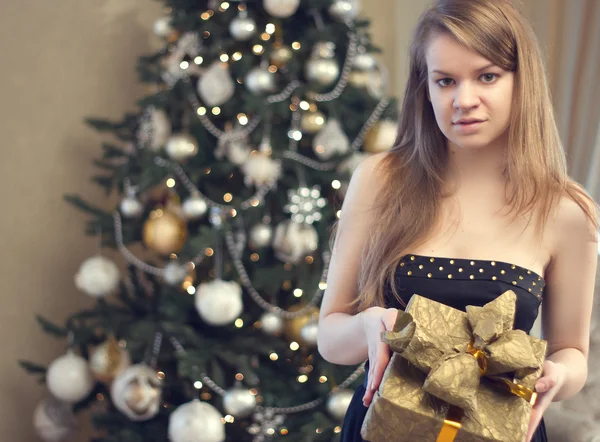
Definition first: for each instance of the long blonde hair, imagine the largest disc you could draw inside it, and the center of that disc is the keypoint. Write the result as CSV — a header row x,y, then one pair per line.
x,y
414,168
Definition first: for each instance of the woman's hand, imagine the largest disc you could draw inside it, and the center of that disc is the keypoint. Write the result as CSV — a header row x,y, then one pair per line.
x,y
377,320
553,378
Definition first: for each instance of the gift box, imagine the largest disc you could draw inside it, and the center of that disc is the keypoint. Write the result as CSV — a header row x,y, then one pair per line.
x,y
456,376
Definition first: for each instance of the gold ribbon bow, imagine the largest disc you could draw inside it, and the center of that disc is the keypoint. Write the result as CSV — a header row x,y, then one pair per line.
x,y
486,346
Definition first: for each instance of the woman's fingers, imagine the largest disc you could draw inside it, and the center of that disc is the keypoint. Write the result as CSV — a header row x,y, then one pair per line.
x,y
377,366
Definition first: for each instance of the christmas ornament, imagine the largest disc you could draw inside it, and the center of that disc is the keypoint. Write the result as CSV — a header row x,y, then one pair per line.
x,y
175,273
309,333
359,79
194,207
219,302
349,165
131,207
160,129
293,241
108,360
239,402
281,55
281,8
381,137
174,67
216,86
338,403
136,392
312,121
364,61
260,236
331,141
260,81
181,146
98,276
261,169
242,27
69,378
322,67
54,420
293,327
343,10
196,421
236,149
305,204
271,323
162,27
164,232
266,423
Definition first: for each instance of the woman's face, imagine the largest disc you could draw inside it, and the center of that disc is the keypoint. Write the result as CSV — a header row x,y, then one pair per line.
x,y
471,97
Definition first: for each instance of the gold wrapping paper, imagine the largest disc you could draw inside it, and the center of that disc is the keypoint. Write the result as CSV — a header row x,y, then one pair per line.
x,y
445,358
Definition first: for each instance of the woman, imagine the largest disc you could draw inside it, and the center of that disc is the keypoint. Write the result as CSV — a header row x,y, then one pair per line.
x,y
472,200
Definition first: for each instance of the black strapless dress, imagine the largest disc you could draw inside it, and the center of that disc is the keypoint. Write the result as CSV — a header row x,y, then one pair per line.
x,y
457,283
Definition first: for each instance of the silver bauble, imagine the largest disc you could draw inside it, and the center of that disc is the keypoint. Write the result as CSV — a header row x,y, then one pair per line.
x,y
281,55
181,146
260,81
196,421
136,392
219,302
131,207
162,27
343,10
260,236
323,71
69,378
293,241
281,8
331,141
309,333
54,420
364,61
194,207
242,27
338,403
239,402
175,273
216,86
271,323
160,129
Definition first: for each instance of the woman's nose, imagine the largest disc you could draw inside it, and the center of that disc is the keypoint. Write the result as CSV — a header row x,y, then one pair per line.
x,y
466,97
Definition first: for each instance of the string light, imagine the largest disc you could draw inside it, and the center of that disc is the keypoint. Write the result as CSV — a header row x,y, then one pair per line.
x,y
209,251
296,45
239,377
205,16
258,49
304,105
294,346
198,385
270,28
198,60
191,290
338,214
337,429
254,257
237,56
184,65
227,197
201,111
239,322
224,6
205,34
243,119
298,293
323,379
273,356
170,183
322,285
336,184
216,110
309,259
160,375
272,69
264,36
224,58
302,378
229,419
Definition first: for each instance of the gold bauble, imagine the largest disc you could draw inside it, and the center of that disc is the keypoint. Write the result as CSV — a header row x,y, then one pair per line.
x,y
293,327
108,360
312,122
164,232
359,79
381,137
281,55
139,398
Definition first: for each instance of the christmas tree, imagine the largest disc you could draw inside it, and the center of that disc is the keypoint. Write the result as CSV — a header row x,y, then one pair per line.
x,y
230,177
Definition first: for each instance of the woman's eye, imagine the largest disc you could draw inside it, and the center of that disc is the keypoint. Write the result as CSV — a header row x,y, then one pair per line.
x,y
489,78
444,82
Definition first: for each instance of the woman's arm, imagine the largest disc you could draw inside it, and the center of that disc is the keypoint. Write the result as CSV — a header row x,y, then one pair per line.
x,y
567,309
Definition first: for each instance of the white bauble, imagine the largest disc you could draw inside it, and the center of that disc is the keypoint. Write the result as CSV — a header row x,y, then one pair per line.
x,y
350,164
97,276
236,150
260,81
136,392
242,27
216,86
53,420
260,236
364,61
281,8
175,273
160,129
309,333
239,402
194,207
196,421
331,140
260,169
381,137
271,323
162,27
181,146
293,241
345,9
131,207
219,302
69,378
338,403
322,70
